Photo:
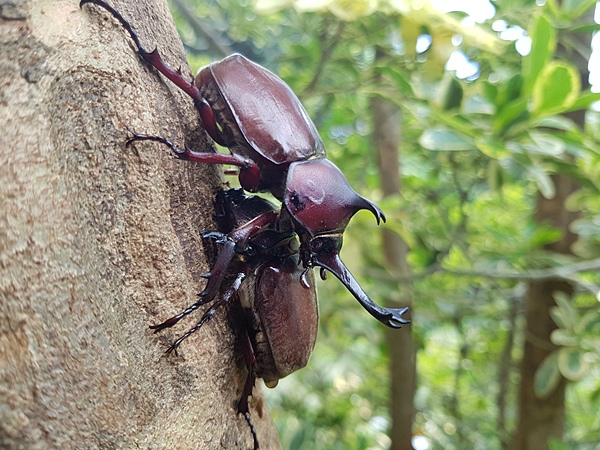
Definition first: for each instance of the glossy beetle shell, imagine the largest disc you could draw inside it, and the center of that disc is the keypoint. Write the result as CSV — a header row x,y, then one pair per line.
x,y
257,109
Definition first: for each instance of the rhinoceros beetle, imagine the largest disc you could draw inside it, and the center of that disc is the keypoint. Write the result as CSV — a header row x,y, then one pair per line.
x,y
277,148
281,316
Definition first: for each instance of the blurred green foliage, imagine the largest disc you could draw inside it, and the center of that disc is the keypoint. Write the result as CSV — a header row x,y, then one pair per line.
x,y
476,151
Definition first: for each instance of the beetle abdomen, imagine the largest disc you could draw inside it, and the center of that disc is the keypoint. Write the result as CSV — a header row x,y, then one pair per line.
x,y
289,316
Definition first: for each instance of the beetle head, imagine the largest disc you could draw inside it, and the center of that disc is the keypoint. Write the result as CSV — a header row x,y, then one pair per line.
x,y
320,199
321,202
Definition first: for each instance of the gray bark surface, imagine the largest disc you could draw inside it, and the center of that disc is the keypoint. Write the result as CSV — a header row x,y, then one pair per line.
x,y
99,241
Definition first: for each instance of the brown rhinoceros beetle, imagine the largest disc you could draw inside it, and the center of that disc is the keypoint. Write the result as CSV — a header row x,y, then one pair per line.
x,y
278,149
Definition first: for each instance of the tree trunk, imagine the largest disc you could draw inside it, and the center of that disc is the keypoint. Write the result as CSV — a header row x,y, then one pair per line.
x,y
99,241
543,418
386,134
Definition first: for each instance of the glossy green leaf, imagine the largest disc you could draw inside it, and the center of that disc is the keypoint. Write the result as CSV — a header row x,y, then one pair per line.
x,y
547,376
543,43
557,88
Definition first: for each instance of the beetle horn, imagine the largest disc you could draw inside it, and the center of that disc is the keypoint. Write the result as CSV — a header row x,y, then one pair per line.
x,y
378,213
392,317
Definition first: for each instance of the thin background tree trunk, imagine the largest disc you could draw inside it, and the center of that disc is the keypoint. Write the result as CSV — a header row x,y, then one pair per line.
x,y
543,418
387,120
98,241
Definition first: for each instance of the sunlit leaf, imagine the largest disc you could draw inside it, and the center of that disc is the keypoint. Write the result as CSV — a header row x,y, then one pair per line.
x,y
353,9
556,89
543,43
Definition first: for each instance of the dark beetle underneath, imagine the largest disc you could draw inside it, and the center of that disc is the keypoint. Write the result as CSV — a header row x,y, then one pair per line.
x,y
281,316
277,148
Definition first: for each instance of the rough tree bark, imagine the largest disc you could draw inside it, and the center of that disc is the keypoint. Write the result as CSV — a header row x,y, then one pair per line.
x,y
386,135
98,241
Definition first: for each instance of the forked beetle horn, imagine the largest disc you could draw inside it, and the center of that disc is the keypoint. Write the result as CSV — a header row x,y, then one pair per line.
x,y
392,317
378,213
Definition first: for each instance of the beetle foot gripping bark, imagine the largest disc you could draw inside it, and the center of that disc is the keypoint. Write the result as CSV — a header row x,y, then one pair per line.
x,y
249,171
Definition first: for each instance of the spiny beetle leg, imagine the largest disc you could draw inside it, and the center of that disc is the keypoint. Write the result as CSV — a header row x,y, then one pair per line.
x,y
199,157
153,58
208,315
212,287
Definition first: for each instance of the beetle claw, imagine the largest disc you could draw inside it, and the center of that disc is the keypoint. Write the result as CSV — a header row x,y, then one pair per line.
x,y
304,279
217,236
395,319
323,273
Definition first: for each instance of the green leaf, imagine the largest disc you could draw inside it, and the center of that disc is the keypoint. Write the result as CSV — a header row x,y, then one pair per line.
x,y
590,322
547,144
547,376
450,93
567,311
557,88
558,123
571,363
398,78
493,149
585,101
562,338
442,139
575,8
543,43
543,181
513,112
586,28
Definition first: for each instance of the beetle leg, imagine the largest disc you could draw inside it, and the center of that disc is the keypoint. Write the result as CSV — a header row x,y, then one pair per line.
x,y
154,59
212,287
208,315
234,242
247,166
